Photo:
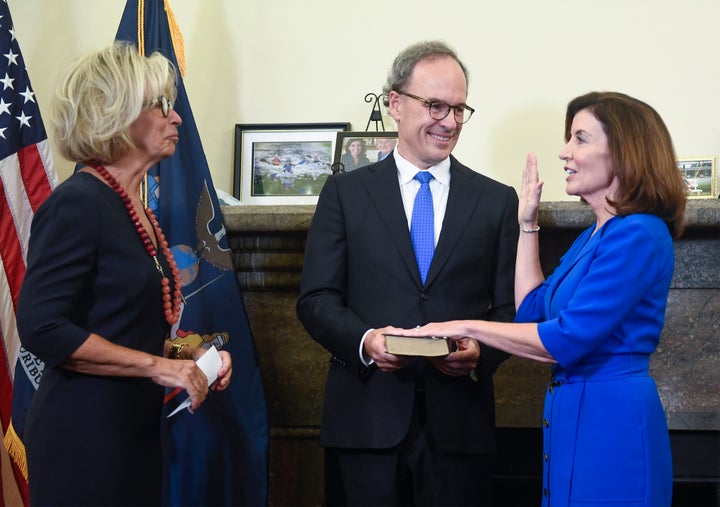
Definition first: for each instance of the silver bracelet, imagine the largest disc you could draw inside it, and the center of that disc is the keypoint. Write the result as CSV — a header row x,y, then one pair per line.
x,y
534,229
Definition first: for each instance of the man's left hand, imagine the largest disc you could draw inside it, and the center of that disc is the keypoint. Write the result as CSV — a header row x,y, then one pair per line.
x,y
461,362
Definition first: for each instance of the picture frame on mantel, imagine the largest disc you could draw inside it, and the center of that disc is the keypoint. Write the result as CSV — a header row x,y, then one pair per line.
x,y
373,147
283,163
701,176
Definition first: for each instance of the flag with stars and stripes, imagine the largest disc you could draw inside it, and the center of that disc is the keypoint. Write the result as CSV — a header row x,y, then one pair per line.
x,y
27,178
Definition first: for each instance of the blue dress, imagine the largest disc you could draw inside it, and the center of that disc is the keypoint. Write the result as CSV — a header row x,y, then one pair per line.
x,y
600,315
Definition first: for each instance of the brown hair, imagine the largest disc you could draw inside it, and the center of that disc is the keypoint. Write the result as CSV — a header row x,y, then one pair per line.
x,y
642,154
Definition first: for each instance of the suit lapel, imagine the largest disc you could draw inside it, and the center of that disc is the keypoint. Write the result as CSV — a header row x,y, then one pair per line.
x,y
462,200
381,182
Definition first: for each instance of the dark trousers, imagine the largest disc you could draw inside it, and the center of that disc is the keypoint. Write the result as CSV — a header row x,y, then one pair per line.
x,y
413,473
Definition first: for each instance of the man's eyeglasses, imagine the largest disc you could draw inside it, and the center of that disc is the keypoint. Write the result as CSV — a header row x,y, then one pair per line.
x,y
439,110
163,103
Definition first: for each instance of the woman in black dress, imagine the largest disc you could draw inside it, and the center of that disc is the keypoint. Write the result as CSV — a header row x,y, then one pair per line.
x,y
102,290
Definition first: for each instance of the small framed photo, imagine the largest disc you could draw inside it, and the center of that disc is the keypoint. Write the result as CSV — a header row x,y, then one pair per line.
x,y
701,176
354,150
283,163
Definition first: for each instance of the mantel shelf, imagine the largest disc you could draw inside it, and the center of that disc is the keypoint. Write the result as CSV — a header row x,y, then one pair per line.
x,y
700,213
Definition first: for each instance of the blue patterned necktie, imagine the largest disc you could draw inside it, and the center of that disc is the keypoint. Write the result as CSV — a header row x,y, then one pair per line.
x,y
422,226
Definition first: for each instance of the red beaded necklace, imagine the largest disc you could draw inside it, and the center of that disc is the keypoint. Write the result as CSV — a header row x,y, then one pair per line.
x,y
171,308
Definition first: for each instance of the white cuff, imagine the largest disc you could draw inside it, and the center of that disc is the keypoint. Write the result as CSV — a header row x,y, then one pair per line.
x,y
367,361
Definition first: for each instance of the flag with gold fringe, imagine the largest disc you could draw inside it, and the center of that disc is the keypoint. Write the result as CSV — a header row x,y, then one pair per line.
x,y
27,177
219,454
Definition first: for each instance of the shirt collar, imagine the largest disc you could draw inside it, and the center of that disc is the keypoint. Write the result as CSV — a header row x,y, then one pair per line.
x,y
407,170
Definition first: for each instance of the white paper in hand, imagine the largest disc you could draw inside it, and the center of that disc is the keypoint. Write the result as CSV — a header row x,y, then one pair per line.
x,y
210,364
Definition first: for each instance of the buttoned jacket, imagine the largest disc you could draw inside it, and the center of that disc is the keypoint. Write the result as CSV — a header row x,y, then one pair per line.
x,y
360,273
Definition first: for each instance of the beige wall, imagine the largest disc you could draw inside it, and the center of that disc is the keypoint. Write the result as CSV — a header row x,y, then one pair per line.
x,y
284,61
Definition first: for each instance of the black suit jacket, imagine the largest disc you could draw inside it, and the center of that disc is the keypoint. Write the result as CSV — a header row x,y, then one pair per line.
x,y
360,273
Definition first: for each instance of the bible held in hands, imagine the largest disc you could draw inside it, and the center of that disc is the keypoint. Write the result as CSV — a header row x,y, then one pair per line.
x,y
427,346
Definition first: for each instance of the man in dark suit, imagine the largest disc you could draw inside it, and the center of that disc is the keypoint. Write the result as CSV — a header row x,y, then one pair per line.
x,y
410,430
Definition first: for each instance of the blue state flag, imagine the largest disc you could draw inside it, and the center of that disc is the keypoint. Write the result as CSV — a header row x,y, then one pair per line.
x,y
219,454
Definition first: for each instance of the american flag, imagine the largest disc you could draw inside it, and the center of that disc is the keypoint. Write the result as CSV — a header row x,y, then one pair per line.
x,y
27,177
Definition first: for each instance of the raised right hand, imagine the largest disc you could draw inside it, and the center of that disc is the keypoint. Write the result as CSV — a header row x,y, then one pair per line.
x,y
530,194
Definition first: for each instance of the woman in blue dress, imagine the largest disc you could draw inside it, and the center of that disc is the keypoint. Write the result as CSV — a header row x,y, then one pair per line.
x,y
598,317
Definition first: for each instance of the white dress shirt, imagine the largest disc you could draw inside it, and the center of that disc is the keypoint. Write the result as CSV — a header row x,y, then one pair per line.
x,y
409,186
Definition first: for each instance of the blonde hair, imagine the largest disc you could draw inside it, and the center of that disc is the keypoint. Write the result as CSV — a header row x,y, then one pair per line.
x,y
100,95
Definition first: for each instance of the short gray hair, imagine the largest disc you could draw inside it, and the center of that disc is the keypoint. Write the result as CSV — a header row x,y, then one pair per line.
x,y
100,95
405,62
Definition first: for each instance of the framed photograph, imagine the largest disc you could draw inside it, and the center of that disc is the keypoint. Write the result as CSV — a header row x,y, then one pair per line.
x,y
701,176
283,163
358,149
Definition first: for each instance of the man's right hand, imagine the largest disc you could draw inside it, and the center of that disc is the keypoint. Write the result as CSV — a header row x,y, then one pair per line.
x,y
375,349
